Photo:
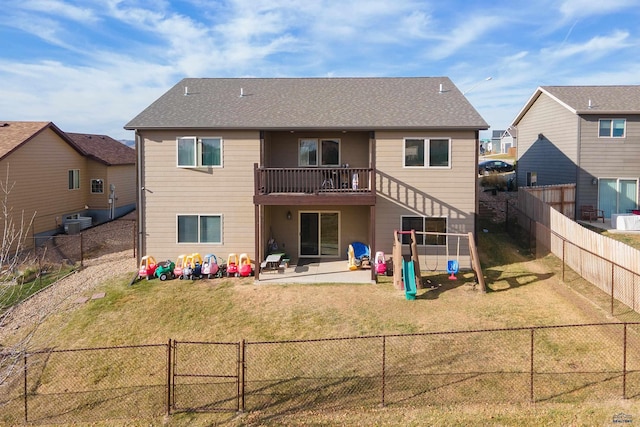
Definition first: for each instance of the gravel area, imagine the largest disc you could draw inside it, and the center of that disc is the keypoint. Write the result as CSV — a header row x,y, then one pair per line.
x,y
107,249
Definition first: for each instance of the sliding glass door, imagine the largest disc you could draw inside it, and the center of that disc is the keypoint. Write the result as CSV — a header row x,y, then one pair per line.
x,y
319,234
617,195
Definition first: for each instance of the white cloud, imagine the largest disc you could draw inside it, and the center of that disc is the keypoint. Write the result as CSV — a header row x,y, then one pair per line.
x,y
594,48
582,8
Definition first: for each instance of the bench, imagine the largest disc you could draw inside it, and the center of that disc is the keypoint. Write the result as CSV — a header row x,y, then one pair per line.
x,y
589,213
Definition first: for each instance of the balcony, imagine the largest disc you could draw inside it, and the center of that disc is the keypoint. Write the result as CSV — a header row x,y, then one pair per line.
x,y
314,186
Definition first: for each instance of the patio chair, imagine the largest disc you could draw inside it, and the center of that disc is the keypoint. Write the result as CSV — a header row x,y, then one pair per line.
x,y
589,213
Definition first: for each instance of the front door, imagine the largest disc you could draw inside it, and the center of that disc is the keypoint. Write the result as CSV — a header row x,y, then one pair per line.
x,y
319,234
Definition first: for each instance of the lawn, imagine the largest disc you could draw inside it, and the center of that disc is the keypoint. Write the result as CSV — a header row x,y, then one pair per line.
x,y
521,292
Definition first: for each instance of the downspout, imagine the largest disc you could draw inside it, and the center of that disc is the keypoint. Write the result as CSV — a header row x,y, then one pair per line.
x,y
578,168
140,197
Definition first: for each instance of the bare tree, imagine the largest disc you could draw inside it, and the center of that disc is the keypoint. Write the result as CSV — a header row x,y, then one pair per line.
x,y
14,255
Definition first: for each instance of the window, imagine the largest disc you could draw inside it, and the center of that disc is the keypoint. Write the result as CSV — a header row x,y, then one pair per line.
x,y
198,152
314,152
97,186
611,128
424,152
199,228
74,179
430,224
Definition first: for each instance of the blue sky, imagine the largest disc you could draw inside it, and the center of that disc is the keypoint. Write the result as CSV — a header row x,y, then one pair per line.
x,y
92,65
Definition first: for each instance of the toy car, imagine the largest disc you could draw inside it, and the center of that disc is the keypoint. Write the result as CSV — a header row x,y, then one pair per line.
x,y
165,269
179,268
147,268
210,267
192,267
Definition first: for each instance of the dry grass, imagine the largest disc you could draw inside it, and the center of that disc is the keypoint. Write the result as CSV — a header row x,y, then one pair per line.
x,y
522,292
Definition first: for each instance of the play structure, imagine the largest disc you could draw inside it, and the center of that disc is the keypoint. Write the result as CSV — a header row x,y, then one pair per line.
x,y
406,276
359,256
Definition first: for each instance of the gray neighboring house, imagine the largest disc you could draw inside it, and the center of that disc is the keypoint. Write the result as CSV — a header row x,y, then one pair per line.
x,y
587,135
226,165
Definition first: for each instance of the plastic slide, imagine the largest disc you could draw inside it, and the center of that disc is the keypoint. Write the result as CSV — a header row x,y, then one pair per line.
x,y
409,278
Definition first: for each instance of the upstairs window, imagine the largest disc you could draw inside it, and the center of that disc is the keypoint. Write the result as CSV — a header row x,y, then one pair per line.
x,y
97,186
611,128
427,153
318,152
74,179
198,152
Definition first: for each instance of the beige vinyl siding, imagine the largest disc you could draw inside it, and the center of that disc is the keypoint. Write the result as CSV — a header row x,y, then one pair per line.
x,y
124,178
96,170
39,172
555,156
431,192
283,147
171,191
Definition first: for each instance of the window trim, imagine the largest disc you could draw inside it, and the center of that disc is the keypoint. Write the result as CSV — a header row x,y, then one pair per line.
x,y
198,152
611,128
73,179
198,216
426,141
319,157
424,219
91,185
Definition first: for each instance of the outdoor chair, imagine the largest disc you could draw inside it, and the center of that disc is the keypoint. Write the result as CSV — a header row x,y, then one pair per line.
x,y
589,213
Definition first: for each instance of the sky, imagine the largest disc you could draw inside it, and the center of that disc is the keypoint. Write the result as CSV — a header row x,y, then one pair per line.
x,y
90,66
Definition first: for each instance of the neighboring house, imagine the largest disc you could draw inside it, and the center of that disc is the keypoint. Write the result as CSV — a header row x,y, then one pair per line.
x,y
111,176
508,140
496,138
587,135
314,163
50,175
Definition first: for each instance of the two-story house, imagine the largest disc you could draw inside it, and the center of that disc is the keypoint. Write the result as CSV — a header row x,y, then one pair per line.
x,y
225,165
56,177
587,135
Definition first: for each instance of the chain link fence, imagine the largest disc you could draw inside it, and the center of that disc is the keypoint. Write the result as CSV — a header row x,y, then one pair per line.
x,y
560,364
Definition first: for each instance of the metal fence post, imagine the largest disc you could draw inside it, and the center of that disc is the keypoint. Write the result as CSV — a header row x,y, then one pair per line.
x,y
563,258
81,252
169,385
531,396
624,362
612,281
241,373
26,413
384,352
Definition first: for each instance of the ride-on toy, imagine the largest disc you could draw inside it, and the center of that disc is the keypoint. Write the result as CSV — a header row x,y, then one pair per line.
x,y
165,269
179,268
232,265
193,267
244,268
210,267
147,268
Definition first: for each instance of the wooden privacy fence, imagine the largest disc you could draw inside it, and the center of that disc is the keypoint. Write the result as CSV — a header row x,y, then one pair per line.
x,y
612,266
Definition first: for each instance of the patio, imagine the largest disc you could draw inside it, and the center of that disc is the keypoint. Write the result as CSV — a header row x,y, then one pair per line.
x,y
316,271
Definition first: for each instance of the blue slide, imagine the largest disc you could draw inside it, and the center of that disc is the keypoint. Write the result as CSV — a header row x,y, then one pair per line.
x,y
409,279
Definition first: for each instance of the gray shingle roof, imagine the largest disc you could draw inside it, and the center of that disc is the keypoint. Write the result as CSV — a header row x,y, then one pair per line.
x,y
104,149
610,99
297,103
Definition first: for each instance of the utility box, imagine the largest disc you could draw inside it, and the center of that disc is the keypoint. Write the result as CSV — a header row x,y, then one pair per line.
x,y
72,227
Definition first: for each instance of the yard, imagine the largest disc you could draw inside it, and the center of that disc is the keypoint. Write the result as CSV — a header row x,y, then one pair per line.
x,y
522,292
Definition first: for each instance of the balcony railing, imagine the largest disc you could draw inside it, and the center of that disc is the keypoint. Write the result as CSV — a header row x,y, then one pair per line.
x,y
313,180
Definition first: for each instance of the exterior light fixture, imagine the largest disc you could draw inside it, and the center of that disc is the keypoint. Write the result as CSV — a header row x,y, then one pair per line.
x,y
289,215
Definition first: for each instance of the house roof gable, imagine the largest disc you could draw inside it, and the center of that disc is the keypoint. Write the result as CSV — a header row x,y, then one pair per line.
x,y
311,103
583,100
104,149
13,134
